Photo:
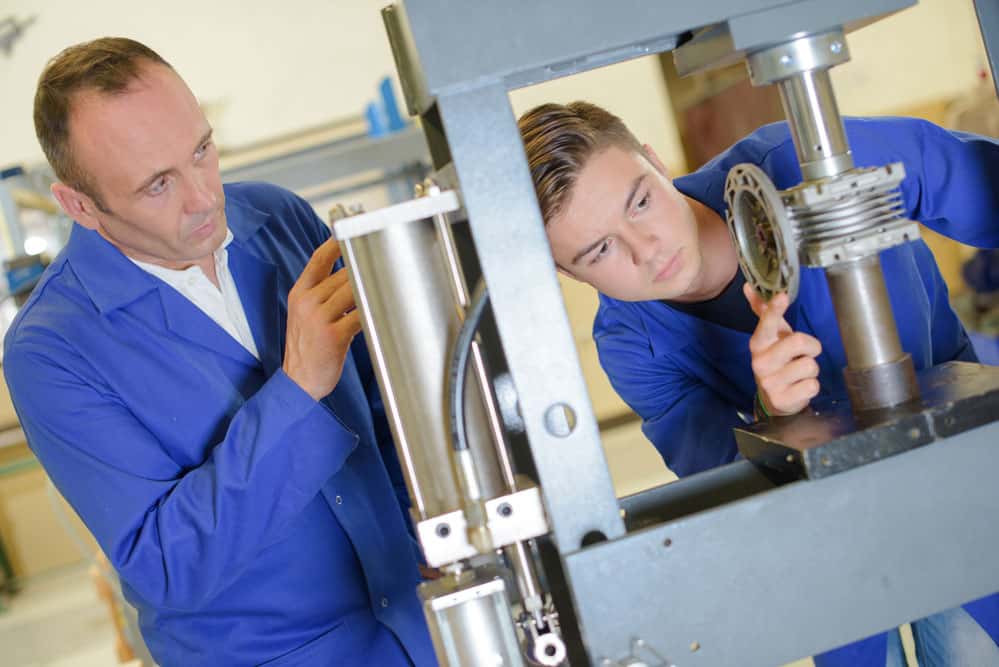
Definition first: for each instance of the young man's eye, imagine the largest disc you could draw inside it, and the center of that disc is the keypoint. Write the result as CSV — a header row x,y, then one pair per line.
x,y
643,203
601,251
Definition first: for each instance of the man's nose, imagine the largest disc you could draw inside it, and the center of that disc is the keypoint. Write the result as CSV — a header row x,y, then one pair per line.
x,y
200,196
645,247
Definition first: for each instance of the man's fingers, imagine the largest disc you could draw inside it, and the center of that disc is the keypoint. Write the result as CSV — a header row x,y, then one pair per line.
x,y
349,325
771,324
320,264
338,303
802,368
799,394
755,300
773,359
330,284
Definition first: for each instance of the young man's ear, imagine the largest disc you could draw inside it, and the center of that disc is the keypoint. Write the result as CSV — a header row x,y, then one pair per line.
x,y
77,205
651,156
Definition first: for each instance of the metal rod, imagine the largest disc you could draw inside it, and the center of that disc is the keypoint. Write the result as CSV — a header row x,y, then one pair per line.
x,y
816,125
866,322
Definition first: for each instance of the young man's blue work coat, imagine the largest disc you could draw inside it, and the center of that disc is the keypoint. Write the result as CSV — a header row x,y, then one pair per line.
x,y
249,523
688,378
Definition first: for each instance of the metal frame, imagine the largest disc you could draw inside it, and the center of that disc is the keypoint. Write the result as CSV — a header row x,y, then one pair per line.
x,y
803,568
861,551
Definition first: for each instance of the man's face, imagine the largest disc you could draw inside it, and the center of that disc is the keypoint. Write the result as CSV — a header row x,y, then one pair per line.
x,y
626,230
150,156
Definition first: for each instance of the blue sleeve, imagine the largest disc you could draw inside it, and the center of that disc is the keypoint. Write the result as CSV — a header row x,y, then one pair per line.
x,y
685,420
177,535
951,181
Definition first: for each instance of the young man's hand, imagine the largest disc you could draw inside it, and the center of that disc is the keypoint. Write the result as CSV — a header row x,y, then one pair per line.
x,y
783,361
320,328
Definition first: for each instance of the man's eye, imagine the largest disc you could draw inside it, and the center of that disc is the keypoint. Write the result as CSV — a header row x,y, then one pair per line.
x,y
642,204
158,186
602,251
202,149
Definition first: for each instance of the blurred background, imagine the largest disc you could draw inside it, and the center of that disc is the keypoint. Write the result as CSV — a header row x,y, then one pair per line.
x,y
303,93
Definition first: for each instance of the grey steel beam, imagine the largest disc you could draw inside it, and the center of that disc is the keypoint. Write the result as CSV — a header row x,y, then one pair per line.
x,y
444,45
534,331
804,568
988,21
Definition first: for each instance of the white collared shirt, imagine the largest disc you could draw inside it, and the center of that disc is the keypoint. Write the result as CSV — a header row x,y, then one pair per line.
x,y
221,303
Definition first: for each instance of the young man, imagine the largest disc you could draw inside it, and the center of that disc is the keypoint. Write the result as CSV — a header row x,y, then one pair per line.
x,y
187,372
691,350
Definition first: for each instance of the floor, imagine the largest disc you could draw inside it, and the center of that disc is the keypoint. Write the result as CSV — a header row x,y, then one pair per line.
x,y
57,620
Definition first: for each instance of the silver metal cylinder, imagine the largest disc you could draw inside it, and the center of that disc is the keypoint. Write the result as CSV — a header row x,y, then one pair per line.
x,y
816,125
879,374
470,621
409,316
866,322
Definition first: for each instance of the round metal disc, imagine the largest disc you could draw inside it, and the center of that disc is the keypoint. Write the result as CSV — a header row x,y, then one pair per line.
x,y
761,231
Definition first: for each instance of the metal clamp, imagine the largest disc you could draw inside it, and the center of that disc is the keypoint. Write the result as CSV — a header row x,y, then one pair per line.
x,y
516,517
444,539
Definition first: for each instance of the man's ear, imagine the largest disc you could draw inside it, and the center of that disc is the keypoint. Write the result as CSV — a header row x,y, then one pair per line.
x,y
651,156
77,205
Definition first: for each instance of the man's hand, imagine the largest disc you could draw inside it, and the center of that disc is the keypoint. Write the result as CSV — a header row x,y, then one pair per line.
x,y
783,361
320,328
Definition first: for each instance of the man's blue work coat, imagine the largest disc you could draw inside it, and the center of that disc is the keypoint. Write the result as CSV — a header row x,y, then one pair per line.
x,y
689,379
249,523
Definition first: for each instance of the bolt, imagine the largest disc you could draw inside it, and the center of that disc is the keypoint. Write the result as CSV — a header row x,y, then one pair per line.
x,y
836,47
785,59
505,510
443,530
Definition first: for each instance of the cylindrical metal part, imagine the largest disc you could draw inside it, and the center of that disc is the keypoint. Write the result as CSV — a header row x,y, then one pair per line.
x,y
870,337
408,313
883,386
866,322
470,622
816,125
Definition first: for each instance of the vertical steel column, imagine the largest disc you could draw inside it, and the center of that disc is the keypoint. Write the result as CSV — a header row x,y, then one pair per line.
x,y
484,143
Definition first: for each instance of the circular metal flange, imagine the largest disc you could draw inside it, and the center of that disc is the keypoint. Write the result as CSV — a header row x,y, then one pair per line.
x,y
763,235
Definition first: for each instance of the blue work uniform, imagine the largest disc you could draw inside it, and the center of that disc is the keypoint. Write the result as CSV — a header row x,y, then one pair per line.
x,y
249,523
689,379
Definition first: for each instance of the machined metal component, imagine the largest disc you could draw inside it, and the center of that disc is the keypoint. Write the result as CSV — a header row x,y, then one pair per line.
x,y
469,619
762,232
516,517
800,67
879,374
404,293
509,519
545,648
849,216
444,538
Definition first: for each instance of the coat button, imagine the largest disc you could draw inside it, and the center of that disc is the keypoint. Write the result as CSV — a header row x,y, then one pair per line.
x,y
385,602
339,500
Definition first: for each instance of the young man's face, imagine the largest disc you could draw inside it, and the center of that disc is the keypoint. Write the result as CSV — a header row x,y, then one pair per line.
x,y
150,156
626,230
